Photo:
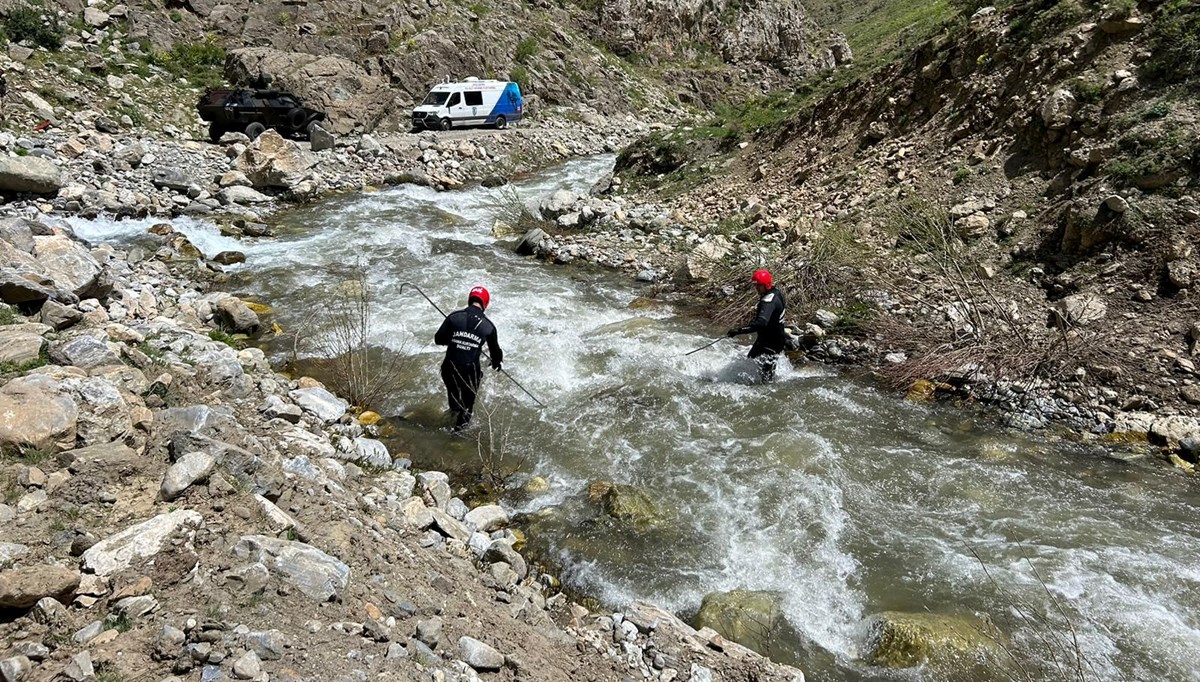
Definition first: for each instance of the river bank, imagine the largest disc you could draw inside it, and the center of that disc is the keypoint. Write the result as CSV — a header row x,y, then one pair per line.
x,y
174,509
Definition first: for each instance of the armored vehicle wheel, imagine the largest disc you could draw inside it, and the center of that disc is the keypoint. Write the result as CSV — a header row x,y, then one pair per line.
x,y
255,129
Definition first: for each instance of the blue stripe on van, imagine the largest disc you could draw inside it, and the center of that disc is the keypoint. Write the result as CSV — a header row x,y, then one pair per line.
x,y
510,105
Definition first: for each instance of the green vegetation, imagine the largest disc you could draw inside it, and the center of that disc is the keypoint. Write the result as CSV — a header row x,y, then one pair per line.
x,y
480,9
201,62
1152,159
961,175
1041,19
175,16
226,338
520,76
32,23
1087,91
8,316
16,368
1175,43
526,49
877,30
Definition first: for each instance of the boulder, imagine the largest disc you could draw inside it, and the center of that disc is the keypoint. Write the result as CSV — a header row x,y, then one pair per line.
x,y
237,194
29,175
275,408
24,587
58,316
558,204
1079,309
20,347
905,640
271,161
231,258
234,314
172,178
627,503
138,542
95,17
487,518
502,550
15,668
320,403
447,525
104,416
1180,274
1058,109
352,99
188,470
86,352
18,232
37,415
750,618
532,241
698,265
317,575
478,655
320,139
72,268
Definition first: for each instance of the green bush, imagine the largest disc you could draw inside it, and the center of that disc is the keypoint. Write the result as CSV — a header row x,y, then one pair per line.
x,y
201,62
525,49
37,25
1175,43
520,76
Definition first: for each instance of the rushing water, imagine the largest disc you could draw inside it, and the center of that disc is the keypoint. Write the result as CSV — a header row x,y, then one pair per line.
x,y
846,501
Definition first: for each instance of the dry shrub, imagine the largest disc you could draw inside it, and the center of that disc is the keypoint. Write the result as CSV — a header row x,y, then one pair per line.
x,y
497,462
513,214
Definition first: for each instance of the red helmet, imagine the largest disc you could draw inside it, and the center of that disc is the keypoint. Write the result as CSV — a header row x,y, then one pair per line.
x,y
762,277
481,294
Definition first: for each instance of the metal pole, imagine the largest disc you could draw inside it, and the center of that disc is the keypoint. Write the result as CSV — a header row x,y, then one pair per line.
x,y
707,345
485,353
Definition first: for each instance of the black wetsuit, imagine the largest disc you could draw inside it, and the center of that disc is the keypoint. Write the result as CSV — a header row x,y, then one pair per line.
x,y
463,333
768,323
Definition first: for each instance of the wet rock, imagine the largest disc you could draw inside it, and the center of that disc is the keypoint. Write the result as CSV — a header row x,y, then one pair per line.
x,y
320,403
230,258
532,242
29,175
478,655
24,587
627,503
317,575
905,640
38,415
750,618
276,408
190,469
139,542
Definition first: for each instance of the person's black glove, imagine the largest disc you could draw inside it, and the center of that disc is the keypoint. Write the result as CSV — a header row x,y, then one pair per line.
x,y
731,333
495,365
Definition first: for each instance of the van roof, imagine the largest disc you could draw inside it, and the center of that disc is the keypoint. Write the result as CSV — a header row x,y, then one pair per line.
x,y
471,84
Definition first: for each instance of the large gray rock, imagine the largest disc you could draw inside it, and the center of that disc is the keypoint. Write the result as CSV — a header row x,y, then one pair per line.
x,y
532,241
271,161
29,175
37,414
15,669
141,541
18,232
321,139
188,470
487,518
366,451
59,316
449,526
104,416
20,347
241,195
1058,109
22,277
558,204
905,640
502,550
236,315
24,587
1079,309
317,575
320,403
478,655
749,618
275,407
699,264
72,268
86,352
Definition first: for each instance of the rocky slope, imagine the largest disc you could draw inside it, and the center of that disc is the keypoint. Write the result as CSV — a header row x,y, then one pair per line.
x,y
1007,211
173,509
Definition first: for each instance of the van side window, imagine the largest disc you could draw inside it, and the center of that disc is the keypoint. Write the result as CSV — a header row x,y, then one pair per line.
x,y
454,99
473,99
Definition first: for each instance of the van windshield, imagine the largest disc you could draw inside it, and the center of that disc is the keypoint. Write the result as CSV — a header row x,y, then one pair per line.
x,y
437,99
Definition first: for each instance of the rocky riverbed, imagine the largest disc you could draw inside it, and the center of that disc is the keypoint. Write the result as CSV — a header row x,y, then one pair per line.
x,y
174,509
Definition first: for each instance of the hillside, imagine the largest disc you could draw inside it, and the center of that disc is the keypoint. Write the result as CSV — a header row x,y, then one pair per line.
x,y
1006,209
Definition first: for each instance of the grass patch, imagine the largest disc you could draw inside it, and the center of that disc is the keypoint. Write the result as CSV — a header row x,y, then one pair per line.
x,y
520,76
15,368
227,339
1086,91
9,316
34,24
200,62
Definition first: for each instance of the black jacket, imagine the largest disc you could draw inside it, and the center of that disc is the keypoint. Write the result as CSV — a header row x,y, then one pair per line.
x,y
464,333
768,321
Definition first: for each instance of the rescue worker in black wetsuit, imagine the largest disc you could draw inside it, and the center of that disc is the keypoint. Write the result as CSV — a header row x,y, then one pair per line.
x,y
768,323
463,333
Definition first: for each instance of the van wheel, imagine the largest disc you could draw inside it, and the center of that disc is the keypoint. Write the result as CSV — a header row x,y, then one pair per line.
x,y
254,130
446,124
501,123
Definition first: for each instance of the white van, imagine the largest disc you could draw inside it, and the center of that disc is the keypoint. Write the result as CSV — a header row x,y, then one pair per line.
x,y
469,102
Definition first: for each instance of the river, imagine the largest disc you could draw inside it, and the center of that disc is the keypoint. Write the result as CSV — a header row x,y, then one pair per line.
x,y
843,499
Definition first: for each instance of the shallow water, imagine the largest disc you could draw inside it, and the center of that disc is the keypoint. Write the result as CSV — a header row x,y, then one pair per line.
x,y
843,499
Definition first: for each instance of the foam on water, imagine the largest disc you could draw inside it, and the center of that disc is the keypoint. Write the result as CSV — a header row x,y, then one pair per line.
x,y
844,500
